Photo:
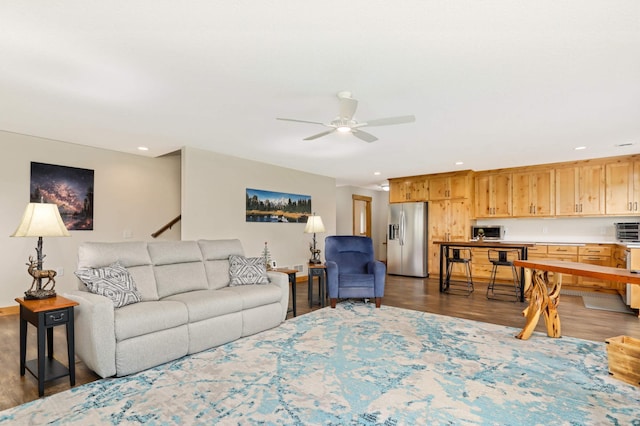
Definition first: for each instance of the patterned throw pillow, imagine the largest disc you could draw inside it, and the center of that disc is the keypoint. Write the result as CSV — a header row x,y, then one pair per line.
x,y
113,281
247,270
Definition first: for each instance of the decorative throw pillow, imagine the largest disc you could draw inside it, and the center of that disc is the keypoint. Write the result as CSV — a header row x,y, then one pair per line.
x,y
113,281
247,270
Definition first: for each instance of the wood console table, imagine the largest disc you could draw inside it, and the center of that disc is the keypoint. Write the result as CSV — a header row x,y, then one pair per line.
x,y
444,246
544,297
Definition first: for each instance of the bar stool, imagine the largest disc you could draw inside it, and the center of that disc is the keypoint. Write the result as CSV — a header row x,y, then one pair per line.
x,y
499,291
459,256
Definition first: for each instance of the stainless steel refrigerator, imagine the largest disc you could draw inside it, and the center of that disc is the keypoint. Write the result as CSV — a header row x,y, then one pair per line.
x,y
407,239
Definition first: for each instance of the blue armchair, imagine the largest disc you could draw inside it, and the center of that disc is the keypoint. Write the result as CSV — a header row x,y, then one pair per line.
x,y
351,270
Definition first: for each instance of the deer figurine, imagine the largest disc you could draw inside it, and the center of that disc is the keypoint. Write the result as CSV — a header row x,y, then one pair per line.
x,y
39,274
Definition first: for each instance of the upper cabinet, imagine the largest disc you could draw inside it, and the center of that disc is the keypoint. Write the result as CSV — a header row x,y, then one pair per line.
x,y
493,195
450,186
622,187
534,193
580,190
402,190
598,187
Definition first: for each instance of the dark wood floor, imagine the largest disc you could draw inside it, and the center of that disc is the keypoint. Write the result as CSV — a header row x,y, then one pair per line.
x,y
409,293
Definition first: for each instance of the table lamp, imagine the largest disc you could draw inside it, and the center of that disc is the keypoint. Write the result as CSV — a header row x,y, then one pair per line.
x,y
41,220
314,224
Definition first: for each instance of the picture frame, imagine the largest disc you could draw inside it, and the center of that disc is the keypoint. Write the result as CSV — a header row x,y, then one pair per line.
x,y
281,207
70,188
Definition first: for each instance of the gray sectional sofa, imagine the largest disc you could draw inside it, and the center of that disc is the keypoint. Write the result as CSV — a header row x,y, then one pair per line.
x,y
187,304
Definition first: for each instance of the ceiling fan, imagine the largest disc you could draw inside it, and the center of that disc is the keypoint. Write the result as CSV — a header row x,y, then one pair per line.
x,y
345,123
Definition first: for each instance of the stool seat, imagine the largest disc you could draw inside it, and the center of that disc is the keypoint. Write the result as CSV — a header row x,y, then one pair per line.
x,y
503,291
459,256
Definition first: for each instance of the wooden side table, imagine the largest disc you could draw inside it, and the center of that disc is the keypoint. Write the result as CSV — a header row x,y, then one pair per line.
x,y
292,280
320,271
45,314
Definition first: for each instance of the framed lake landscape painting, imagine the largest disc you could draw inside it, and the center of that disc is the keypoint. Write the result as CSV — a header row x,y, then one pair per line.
x,y
70,188
269,206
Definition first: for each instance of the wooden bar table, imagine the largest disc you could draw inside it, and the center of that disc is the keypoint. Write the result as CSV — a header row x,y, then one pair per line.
x,y
544,296
445,245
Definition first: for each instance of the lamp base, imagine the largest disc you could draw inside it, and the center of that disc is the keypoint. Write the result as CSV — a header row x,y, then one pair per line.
x,y
39,294
315,261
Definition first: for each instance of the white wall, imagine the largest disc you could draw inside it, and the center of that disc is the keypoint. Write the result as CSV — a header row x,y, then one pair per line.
x,y
379,211
213,204
132,193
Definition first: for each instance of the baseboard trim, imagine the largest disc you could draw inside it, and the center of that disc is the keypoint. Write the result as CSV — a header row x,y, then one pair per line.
x,y
10,310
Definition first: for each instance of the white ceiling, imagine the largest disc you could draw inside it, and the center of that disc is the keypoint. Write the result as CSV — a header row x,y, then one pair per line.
x,y
492,83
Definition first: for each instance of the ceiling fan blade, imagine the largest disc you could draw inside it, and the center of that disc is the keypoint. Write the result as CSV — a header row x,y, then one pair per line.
x,y
348,108
300,121
390,120
367,137
319,135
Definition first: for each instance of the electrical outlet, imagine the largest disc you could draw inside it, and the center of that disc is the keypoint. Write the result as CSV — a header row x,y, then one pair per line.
x,y
298,268
545,230
59,271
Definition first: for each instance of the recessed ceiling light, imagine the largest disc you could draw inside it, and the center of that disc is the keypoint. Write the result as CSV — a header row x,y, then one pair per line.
x,y
143,148
578,148
377,173
459,163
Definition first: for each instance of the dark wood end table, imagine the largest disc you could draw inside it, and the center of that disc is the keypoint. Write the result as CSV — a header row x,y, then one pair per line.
x,y
317,270
45,314
292,280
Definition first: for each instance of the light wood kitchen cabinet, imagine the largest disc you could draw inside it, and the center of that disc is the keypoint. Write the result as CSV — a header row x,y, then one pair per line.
x,y
566,253
622,188
596,255
450,186
580,190
493,195
534,193
411,189
448,221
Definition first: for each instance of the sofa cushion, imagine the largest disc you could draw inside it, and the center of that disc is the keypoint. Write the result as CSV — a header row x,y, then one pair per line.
x,y
204,304
133,255
180,278
170,252
247,270
257,295
112,281
178,267
148,317
216,260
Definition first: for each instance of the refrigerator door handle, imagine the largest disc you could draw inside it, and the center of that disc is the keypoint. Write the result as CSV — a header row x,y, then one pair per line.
x,y
402,228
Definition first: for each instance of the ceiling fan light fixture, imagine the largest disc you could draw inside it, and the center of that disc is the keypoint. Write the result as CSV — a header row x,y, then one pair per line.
x,y
343,129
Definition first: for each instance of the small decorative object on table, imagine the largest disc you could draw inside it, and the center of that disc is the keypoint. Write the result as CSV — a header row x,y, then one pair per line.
x,y
267,257
480,234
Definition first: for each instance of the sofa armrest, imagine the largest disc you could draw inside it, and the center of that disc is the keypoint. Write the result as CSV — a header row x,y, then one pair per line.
x,y
282,280
95,338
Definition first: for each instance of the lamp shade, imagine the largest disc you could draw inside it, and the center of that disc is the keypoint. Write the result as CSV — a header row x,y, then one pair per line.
x,y
41,220
314,224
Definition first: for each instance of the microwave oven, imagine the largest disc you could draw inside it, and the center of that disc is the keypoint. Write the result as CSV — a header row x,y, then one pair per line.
x,y
490,232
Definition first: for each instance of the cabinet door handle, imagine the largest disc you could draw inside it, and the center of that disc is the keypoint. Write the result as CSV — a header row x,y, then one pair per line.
x,y
576,209
635,208
630,207
561,249
580,207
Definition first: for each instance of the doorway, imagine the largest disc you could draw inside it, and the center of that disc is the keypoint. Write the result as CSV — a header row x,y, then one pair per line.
x,y
361,215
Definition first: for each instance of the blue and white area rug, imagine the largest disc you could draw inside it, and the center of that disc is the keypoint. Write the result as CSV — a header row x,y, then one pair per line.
x,y
357,365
